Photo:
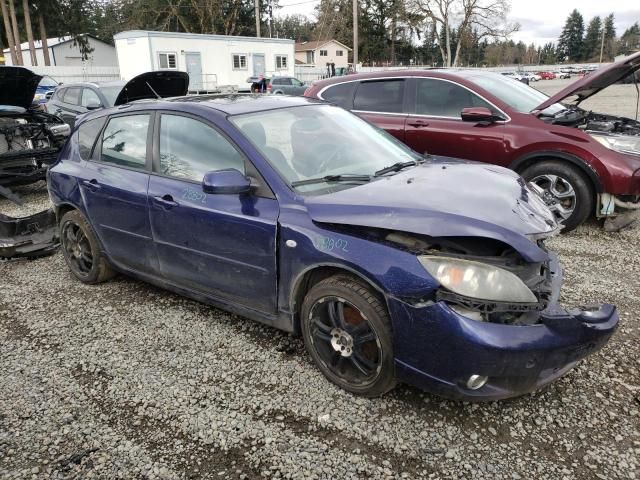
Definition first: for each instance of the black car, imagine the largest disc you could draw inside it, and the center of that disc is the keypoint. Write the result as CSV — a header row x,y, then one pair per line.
x,y
73,99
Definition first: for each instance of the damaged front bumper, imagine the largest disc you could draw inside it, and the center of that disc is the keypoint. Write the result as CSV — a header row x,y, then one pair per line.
x,y
28,237
446,353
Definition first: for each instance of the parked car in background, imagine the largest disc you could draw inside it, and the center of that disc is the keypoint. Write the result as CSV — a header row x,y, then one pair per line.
x,y
303,216
516,76
45,89
587,163
532,77
546,75
286,86
30,141
561,74
74,99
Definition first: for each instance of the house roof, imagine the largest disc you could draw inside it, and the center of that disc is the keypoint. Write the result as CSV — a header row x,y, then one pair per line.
x,y
306,46
51,42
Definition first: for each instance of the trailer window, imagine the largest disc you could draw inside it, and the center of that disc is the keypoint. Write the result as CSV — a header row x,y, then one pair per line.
x,y
239,62
281,62
167,61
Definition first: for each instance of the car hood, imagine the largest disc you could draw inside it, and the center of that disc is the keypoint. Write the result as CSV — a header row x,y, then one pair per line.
x,y
18,86
597,80
445,198
164,83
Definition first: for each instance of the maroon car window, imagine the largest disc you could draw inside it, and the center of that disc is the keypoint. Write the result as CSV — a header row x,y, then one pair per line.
x,y
380,96
339,94
440,98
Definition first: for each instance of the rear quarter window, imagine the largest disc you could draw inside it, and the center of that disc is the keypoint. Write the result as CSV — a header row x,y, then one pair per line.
x,y
87,134
340,94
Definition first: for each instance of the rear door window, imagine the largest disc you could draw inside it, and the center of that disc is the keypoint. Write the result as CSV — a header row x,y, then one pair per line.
x,y
124,141
380,96
72,96
439,98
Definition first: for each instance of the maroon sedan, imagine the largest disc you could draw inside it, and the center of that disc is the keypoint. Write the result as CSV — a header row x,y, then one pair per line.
x,y
585,163
546,75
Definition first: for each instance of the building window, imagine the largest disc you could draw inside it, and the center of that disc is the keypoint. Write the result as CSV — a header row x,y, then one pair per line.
x,y
310,56
281,62
167,61
323,53
239,62
338,53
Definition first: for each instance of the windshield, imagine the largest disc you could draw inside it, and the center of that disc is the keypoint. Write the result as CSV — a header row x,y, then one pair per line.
x,y
517,95
315,141
111,93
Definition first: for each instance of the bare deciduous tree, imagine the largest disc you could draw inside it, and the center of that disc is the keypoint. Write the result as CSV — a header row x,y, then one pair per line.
x,y
27,23
16,33
9,32
487,17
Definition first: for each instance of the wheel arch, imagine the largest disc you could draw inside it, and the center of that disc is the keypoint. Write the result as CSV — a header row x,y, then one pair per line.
x,y
62,209
520,164
315,274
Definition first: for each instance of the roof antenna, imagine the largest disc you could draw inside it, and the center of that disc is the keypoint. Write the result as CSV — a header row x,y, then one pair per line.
x,y
154,92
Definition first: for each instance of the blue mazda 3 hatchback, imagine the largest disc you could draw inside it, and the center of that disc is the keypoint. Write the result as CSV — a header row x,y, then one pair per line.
x,y
392,266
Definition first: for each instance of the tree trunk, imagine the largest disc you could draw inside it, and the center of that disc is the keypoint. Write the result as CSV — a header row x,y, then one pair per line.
x,y
16,34
9,32
27,22
43,39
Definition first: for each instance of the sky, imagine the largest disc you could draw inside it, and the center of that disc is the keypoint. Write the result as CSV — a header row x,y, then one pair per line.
x,y
541,21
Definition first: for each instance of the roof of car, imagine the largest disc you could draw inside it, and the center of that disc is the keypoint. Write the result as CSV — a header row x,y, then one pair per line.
x,y
430,72
112,83
238,103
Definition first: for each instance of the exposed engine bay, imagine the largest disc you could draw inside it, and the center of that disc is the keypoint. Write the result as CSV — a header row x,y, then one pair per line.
x,y
543,279
29,142
594,122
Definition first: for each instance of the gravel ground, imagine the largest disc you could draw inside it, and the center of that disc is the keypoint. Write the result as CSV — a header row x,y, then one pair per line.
x,y
124,380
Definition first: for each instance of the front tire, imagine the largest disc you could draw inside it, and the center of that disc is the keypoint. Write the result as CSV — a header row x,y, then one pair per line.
x,y
82,251
567,191
347,332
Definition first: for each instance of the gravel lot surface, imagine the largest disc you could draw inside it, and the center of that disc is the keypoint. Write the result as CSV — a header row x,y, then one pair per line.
x,y
124,380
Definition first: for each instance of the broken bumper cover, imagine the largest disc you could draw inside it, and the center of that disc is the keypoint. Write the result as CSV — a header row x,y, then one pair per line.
x,y
25,237
440,349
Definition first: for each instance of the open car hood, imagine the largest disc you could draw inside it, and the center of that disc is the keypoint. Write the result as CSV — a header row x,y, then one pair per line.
x,y
445,198
18,86
592,83
164,83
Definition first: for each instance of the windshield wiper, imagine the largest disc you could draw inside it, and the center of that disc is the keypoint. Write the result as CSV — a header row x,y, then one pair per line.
x,y
332,178
396,167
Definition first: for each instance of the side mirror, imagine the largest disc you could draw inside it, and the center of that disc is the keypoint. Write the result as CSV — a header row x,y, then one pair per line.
x,y
229,181
93,106
477,114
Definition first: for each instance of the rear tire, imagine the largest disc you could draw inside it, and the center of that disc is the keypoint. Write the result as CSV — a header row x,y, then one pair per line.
x,y
568,191
82,251
347,332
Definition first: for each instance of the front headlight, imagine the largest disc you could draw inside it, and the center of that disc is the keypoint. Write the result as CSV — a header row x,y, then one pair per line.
x,y
38,96
619,143
477,280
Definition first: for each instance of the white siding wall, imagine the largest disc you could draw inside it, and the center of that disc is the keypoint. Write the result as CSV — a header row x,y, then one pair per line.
x,y
216,53
68,55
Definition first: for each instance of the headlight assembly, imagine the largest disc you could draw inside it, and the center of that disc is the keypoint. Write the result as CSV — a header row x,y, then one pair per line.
x,y
477,280
619,143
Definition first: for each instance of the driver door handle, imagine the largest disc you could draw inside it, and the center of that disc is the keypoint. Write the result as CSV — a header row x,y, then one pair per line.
x,y
166,201
92,184
418,123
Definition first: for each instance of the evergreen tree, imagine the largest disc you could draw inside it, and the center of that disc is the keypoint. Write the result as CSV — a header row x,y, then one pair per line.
x,y
570,41
591,44
609,39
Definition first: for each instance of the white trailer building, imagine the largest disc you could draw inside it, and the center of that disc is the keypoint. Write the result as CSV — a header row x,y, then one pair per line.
x,y
212,61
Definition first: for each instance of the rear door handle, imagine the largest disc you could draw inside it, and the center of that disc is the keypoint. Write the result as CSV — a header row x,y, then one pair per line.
x,y
418,123
166,201
92,184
